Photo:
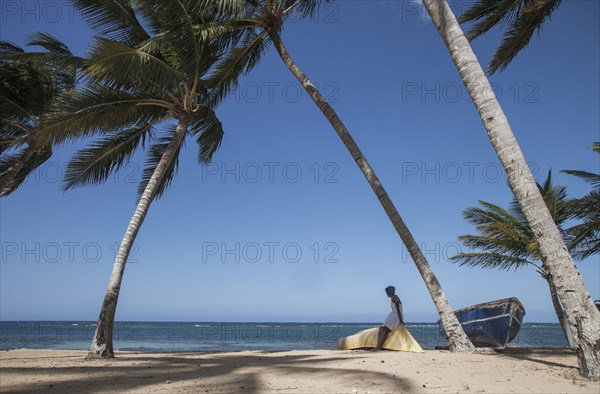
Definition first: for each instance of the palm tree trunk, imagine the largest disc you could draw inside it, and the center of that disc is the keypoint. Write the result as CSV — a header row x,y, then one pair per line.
x,y
583,317
102,343
559,310
456,336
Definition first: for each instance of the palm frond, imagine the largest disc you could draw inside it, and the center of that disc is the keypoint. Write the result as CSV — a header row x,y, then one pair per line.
x,y
303,8
504,245
13,110
589,177
31,82
238,62
225,8
173,21
504,239
123,67
500,231
520,18
531,18
15,168
210,133
114,19
489,13
43,59
7,47
58,57
214,30
12,137
490,214
585,239
588,205
57,62
585,236
49,43
587,247
491,261
93,165
100,109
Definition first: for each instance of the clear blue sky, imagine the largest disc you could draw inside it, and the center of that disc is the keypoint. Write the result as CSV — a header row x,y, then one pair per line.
x,y
392,81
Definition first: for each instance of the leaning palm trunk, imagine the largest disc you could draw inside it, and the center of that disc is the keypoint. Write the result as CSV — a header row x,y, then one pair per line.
x,y
456,336
558,309
582,315
102,343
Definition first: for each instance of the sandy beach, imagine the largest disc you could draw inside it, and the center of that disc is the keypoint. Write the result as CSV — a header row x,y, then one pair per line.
x,y
435,371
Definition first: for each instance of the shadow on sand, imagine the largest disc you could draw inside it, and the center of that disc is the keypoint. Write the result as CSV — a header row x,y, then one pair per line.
x,y
538,355
196,372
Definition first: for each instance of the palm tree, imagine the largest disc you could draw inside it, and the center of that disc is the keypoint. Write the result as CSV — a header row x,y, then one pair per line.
x,y
505,240
259,23
519,18
586,235
141,89
28,86
583,317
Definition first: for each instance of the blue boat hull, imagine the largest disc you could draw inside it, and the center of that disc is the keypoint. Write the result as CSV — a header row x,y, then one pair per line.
x,y
492,324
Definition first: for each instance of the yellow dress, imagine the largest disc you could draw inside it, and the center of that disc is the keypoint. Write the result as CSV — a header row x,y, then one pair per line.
x,y
399,339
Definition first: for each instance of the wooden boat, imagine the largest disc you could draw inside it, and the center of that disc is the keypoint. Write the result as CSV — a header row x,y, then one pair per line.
x,y
492,324
399,339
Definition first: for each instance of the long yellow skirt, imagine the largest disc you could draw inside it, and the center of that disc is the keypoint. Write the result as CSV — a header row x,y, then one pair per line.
x,y
399,339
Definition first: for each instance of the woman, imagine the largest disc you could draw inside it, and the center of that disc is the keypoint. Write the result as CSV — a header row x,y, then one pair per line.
x,y
393,319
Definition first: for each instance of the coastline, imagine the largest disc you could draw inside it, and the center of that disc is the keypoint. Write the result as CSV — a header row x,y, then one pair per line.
x,y
517,370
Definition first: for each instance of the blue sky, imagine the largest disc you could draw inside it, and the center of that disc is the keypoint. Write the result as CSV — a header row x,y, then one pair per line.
x,y
284,198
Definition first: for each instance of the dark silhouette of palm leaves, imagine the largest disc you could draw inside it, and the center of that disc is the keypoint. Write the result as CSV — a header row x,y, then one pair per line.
x,y
30,82
520,18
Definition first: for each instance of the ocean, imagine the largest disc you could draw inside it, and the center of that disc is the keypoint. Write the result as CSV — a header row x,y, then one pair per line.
x,y
213,336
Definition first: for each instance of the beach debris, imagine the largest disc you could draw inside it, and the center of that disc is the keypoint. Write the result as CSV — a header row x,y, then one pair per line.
x,y
168,381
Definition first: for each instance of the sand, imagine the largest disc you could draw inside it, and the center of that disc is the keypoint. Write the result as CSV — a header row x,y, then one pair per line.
x,y
307,371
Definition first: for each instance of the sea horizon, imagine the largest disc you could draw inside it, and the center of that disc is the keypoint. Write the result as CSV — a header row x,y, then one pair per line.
x,y
190,336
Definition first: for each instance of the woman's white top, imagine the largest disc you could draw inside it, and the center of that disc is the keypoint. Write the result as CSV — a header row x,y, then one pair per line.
x,y
392,321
